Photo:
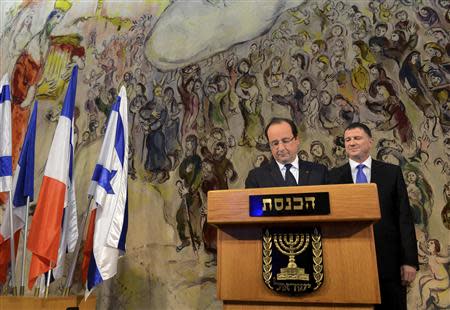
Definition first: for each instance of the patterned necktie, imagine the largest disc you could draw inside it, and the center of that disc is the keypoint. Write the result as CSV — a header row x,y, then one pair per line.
x,y
289,178
360,176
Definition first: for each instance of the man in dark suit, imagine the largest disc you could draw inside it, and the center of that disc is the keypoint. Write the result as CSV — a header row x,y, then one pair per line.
x,y
285,168
395,239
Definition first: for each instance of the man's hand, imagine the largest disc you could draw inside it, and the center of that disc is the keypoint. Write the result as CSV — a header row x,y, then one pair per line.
x,y
408,274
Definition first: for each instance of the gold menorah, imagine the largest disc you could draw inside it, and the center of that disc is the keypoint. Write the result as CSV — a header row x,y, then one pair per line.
x,y
292,245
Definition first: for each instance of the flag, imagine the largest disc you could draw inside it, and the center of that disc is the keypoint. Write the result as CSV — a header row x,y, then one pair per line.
x,y
5,136
109,219
69,230
23,187
46,226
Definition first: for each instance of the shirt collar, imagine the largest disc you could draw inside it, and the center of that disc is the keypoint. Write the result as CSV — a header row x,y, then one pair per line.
x,y
367,163
294,164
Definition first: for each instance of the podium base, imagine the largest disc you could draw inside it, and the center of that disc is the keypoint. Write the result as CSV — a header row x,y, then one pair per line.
x,y
34,303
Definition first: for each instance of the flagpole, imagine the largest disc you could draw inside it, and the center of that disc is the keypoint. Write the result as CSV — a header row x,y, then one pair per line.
x,y
24,249
12,243
48,281
77,250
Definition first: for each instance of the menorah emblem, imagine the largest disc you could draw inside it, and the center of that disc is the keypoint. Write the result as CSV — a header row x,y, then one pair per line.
x,y
292,245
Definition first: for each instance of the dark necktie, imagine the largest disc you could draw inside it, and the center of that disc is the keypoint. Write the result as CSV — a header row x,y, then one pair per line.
x,y
360,176
289,178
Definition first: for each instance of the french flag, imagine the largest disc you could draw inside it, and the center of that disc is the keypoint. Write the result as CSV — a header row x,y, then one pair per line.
x,y
23,187
46,226
5,170
108,223
5,136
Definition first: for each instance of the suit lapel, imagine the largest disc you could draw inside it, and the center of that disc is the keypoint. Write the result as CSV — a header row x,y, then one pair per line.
x,y
346,176
276,175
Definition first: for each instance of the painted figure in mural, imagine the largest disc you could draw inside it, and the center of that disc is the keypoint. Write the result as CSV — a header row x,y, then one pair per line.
x,y
217,89
420,195
347,112
155,114
412,79
434,286
328,113
360,75
256,57
136,103
394,111
399,45
222,169
408,27
104,102
191,179
299,64
390,151
260,160
209,233
28,71
342,77
310,102
427,16
109,69
172,129
379,39
395,239
379,74
362,51
441,37
273,75
445,213
232,100
250,104
285,168
440,91
338,151
189,98
317,151
92,113
294,99
436,63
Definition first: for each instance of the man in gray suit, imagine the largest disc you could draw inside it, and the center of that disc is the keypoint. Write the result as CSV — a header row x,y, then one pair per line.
x,y
285,168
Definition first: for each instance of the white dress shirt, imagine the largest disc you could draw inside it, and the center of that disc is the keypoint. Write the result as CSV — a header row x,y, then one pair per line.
x,y
294,169
368,165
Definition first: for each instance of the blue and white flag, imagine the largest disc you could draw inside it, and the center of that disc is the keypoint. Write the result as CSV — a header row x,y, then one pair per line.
x,y
109,190
23,181
5,136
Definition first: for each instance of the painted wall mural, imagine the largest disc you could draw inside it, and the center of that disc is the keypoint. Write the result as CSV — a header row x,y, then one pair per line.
x,y
203,78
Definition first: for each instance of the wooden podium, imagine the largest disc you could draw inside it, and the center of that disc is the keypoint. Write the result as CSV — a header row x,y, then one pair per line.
x,y
349,258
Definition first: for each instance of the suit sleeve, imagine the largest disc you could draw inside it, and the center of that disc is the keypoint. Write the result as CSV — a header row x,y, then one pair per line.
x,y
251,180
326,177
406,224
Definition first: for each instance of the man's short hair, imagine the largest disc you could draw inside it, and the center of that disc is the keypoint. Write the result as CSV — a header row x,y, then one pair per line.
x,y
360,126
280,120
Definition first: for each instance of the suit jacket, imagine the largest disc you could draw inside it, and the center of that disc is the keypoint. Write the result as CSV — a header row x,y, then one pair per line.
x,y
395,238
270,175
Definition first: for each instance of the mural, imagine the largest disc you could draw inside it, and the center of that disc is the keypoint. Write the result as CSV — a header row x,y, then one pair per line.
x,y
203,78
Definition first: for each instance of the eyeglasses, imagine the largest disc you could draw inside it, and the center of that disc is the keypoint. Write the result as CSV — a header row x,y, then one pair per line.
x,y
284,141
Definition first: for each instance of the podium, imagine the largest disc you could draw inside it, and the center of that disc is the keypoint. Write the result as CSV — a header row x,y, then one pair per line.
x,y
349,258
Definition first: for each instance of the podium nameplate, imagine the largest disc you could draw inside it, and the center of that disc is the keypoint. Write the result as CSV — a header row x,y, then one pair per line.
x,y
289,204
